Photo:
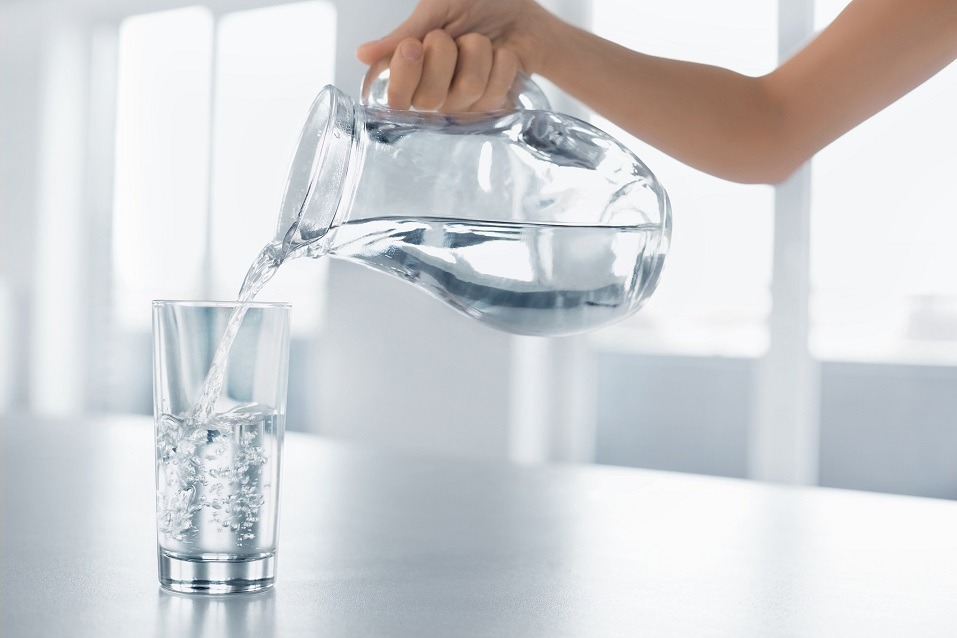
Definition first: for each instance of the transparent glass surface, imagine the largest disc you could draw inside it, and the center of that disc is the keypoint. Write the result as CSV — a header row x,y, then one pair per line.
x,y
530,221
217,477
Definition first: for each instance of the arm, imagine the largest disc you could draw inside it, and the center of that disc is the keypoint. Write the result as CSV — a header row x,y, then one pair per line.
x,y
761,129
733,126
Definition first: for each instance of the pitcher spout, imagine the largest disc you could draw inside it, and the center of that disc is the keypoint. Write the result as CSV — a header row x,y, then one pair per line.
x,y
318,190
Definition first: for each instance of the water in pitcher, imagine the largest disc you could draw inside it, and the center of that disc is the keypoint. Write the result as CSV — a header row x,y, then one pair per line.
x,y
534,279
524,278
537,279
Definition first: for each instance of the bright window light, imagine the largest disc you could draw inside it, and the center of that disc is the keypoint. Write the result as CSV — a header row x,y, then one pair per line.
x,y
713,298
270,64
883,267
160,188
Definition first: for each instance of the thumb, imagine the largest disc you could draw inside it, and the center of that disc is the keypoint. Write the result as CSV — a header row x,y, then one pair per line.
x,y
422,20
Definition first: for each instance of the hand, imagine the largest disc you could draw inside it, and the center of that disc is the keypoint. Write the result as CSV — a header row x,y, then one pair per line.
x,y
461,55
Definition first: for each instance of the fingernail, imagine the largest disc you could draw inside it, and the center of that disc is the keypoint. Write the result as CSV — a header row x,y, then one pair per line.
x,y
412,50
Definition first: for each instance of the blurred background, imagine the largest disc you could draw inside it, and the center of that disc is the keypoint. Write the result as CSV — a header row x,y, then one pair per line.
x,y
804,333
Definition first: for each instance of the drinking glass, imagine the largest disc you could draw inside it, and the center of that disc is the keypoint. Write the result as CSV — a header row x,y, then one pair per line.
x,y
218,469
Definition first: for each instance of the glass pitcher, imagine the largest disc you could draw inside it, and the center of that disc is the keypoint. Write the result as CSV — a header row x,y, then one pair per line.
x,y
529,221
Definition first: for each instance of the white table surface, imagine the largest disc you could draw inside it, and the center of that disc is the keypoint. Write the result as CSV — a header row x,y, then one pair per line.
x,y
380,544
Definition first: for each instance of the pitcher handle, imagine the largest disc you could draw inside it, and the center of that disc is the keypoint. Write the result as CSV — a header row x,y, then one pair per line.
x,y
524,94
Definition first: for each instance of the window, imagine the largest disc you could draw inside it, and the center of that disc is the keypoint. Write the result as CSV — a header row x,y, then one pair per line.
x,y
883,289
884,221
208,112
162,158
208,116
270,64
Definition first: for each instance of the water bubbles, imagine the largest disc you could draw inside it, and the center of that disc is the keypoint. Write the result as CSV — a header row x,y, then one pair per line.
x,y
211,476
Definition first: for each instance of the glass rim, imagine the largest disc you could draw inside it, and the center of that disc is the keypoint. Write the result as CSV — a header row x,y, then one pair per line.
x,y
202,303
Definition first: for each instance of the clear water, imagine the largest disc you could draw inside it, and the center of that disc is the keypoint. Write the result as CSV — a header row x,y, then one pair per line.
x,y
217,474
533,279
261,271
215,482
214,470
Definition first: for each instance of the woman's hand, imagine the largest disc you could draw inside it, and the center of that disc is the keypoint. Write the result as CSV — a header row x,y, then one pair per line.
x,y
461,55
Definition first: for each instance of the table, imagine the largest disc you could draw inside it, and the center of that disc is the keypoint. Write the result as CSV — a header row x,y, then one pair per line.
x,y
377,543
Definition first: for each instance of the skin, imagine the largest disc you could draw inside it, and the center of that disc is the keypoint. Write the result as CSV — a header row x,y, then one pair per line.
x,y
462,55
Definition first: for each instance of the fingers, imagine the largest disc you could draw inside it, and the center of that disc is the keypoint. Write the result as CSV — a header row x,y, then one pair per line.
x,y
373,51
472,69
452,75
425,17
405,71
504,69
441,55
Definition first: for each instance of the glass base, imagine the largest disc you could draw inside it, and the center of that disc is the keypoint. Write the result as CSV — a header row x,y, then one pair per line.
x,y
216,573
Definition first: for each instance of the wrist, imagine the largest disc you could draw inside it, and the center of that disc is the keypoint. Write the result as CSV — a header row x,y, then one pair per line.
x,y
552,36
545,33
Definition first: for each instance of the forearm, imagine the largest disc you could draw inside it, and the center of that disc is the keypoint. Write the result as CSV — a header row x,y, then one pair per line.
x,y
873,53
711,118
759,129
737,127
